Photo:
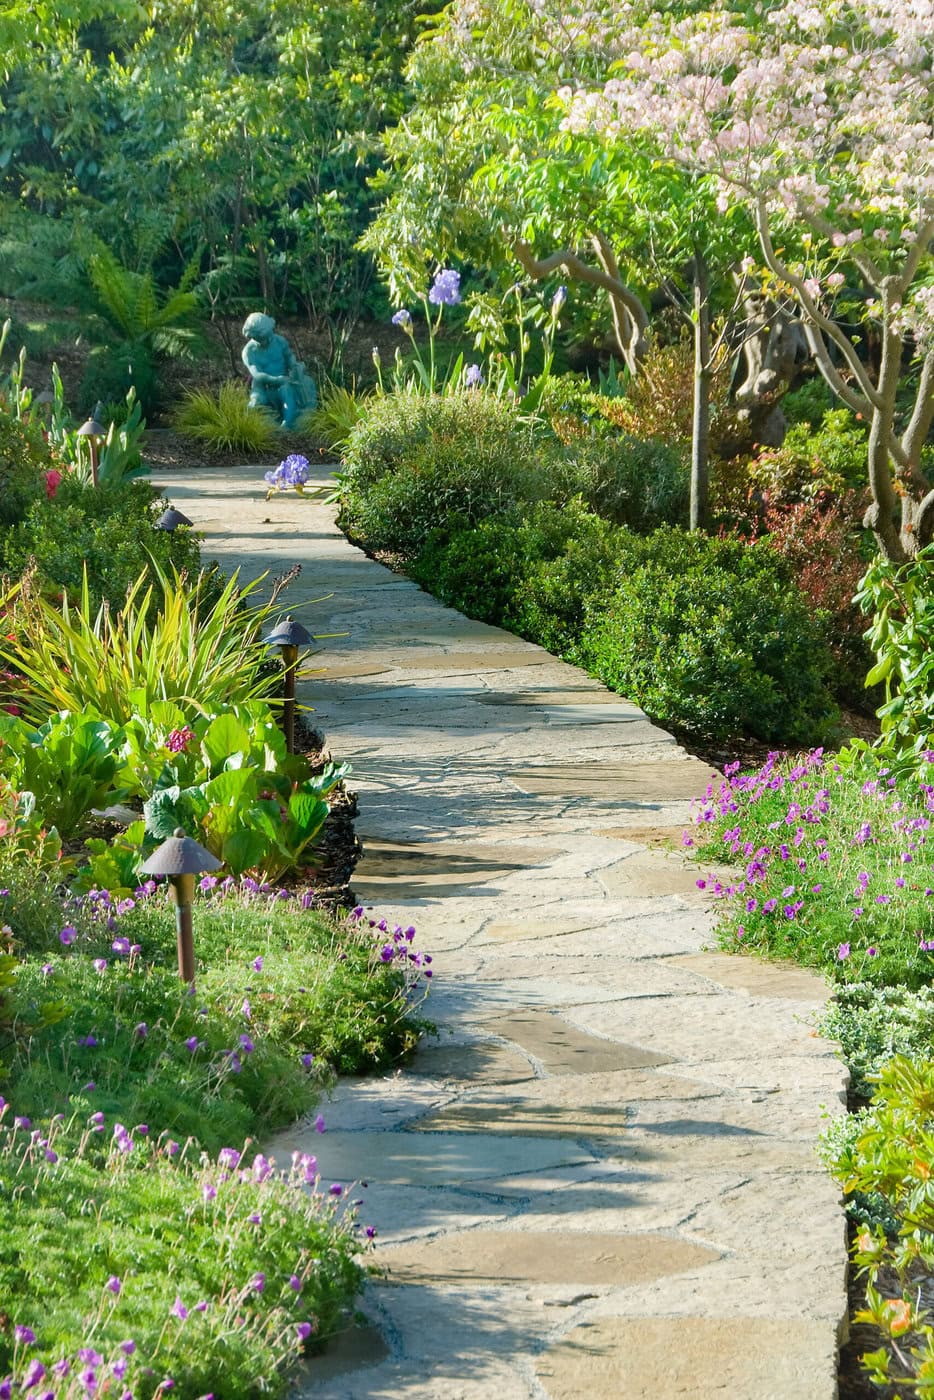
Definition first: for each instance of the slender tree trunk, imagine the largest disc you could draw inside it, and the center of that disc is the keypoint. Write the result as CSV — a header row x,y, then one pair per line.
x,y
700,430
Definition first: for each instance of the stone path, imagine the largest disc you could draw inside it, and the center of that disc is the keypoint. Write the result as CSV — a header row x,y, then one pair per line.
x,y
600,1181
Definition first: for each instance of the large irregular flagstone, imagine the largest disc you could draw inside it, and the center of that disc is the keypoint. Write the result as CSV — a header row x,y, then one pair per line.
x,y
517,930
583,693
389,867
485,1063
666,836
454,1158
698,1358
728,1026
555,1256
758,978
467,662
674,780
658,978
651,875
357,1345
563,1049
579,1105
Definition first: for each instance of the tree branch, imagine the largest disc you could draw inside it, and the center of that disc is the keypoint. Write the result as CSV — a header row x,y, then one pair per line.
x,y
824,323
915,254
818,347
630,317
919,424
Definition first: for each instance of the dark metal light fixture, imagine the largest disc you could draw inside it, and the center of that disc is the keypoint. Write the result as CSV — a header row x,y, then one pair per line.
x,y
171,519
94,432
288,636
181,858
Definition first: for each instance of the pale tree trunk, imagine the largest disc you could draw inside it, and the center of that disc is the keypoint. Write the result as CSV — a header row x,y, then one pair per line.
x,y
898,485
700,428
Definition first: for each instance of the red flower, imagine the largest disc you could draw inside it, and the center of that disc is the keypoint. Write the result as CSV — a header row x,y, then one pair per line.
x,y
52,480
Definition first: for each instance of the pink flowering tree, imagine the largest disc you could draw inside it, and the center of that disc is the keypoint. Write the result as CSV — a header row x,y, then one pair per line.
x,y
817,118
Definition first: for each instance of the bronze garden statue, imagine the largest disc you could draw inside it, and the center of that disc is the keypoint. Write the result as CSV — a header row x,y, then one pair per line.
x,y
280,382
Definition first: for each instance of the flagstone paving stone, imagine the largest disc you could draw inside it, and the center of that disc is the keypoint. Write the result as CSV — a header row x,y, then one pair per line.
x,y
557,1256
600,1182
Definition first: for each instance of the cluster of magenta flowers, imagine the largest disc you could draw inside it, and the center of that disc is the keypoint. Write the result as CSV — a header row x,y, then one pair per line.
x,y
395,945
292,471
832,856
179,739
236,1189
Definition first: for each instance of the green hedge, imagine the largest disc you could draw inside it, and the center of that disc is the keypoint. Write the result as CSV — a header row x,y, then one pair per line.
x,y
711,635
416,466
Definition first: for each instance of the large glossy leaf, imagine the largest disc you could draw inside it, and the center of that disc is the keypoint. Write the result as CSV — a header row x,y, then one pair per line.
x,y
308,813
243,850
224,736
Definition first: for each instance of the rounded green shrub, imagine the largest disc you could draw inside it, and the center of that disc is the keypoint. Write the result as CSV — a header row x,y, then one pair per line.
x,y
536,574
417,464
108,530
631,482
712,635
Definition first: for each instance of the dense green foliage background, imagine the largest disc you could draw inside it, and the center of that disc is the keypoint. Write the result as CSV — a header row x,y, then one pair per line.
x,y
237,135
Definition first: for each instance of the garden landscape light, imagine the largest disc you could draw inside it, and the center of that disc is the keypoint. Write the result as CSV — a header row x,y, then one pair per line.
x,y
181,859
171,519
289,636
94,432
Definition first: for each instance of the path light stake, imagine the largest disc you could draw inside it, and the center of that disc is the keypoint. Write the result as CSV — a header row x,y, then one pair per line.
x,y
171,519
93,431
289,636
181,859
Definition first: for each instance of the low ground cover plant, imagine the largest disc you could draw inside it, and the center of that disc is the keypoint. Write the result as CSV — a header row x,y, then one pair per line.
x,y
835,866
135,1265
148,1242
835,869
286,996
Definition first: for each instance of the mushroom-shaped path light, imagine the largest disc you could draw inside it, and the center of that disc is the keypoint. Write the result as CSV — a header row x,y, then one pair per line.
x,y
181,859
289,635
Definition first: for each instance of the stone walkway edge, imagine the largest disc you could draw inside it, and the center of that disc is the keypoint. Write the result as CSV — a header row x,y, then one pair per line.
x,y
600,1180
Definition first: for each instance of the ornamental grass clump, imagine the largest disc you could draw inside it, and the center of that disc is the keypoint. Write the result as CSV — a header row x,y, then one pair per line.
x,y
225,422
172,639
835,865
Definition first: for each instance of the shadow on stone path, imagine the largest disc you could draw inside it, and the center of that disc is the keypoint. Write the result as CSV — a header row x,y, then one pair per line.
x,y
600,1180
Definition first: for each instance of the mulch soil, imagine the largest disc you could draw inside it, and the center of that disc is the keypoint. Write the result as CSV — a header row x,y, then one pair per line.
x,y
164,450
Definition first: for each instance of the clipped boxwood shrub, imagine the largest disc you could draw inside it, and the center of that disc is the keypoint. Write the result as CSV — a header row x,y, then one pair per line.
x,y
533,573
417,464
109,530
712,635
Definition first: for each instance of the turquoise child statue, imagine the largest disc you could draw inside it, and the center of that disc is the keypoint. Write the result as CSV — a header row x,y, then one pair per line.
x,y
279,381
